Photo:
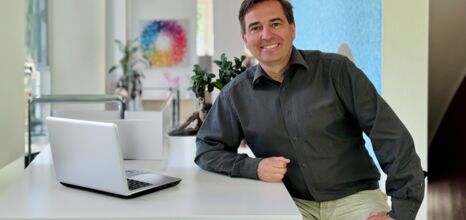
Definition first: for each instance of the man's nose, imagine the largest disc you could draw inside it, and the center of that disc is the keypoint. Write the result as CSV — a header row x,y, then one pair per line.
x,y
267,33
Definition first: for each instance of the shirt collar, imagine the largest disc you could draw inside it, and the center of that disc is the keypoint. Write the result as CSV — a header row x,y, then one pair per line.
x,y
295,59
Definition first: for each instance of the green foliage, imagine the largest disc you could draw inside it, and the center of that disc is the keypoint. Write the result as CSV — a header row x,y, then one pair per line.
x,y
202,81
228,70
132,64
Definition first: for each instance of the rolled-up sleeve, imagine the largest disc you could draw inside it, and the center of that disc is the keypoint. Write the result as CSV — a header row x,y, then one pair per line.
x,y
392,143
218,140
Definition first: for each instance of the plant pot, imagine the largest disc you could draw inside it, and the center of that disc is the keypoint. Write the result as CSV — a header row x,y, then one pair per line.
x,y
134,104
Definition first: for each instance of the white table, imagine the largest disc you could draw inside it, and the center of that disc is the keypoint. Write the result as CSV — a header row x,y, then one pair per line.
x,y
200,195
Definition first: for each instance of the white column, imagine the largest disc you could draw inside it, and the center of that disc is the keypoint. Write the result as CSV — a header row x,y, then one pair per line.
x,y
404,69
12,96
116,29
77,46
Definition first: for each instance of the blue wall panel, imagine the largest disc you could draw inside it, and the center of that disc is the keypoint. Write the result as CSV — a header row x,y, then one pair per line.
x,y
326,24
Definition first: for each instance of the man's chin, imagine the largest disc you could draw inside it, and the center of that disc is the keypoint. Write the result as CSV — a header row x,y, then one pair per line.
x,y
268,60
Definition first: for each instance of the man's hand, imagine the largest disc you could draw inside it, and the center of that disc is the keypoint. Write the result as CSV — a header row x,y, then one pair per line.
x,y
272,169
379,216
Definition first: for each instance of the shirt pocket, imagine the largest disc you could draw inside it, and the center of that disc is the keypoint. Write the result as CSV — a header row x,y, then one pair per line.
x,y
320,117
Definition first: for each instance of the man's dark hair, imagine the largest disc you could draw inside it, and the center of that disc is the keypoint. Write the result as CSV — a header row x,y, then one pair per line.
x,y
248,4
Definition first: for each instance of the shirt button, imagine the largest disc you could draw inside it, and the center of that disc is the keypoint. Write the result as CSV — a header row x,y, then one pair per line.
x,y
303,165
295,138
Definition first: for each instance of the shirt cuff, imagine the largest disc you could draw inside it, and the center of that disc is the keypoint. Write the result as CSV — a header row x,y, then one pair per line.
x,y
249,166
404,209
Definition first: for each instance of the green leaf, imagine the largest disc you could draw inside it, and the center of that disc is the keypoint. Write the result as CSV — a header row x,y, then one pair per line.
x,y
143,60
218,84
120,45
223,57
134,50
113,68
210,88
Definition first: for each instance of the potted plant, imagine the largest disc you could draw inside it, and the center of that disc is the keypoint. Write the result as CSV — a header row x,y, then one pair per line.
x,y
132,64
203,83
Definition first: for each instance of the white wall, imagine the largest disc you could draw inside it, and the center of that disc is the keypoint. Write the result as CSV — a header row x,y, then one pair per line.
x,y
404,69
227,32
447,56
77,46
140,10
12,115
115,29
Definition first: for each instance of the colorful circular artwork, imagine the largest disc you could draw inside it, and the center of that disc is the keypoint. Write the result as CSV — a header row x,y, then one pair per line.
x,y
164,42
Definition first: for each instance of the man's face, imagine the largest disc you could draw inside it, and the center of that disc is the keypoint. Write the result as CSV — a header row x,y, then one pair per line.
x,y
268,35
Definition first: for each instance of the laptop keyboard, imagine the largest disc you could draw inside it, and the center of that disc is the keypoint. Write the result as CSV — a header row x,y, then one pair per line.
x,y
134,184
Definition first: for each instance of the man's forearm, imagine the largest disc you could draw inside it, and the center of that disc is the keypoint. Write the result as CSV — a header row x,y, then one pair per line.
x,y
217,159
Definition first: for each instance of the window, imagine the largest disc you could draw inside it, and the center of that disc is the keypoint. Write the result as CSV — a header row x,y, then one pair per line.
x,y
37,73
36,31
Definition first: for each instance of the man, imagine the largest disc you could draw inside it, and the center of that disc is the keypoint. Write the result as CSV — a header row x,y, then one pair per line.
x,y
302,113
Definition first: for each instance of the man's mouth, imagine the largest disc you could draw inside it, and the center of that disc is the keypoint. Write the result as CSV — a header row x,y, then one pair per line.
x,y
271,46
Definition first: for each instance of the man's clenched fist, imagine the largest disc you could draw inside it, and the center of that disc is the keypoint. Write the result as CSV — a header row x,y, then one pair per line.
x,y
272,169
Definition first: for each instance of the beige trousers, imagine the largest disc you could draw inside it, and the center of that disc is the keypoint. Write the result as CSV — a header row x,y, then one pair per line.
x,y
353,207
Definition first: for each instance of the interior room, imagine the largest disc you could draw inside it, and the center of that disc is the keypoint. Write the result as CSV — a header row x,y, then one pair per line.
x,y
112,55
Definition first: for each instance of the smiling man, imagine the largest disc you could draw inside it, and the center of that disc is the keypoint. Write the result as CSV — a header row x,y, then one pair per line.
x,y
303,114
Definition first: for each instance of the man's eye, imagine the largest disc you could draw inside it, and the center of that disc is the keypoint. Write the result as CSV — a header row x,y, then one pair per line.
x,y
254,29
275,25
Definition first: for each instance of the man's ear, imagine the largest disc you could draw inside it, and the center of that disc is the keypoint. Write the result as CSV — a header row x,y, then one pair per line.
x,y
293,30
244,38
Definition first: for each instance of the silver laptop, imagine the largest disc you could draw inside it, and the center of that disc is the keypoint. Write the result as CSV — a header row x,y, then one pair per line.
x,y
87,155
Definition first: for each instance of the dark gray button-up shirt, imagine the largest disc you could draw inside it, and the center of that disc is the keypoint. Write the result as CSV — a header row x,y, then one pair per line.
x,y
316,118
